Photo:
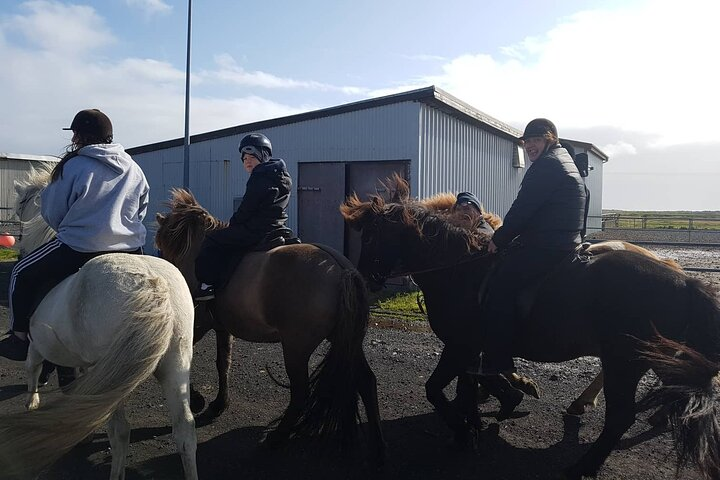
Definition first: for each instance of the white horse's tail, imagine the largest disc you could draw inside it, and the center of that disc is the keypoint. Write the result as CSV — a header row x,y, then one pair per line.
x,y
31,441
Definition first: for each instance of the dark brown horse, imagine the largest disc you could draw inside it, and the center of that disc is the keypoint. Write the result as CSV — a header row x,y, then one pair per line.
x,y
298,295
634,312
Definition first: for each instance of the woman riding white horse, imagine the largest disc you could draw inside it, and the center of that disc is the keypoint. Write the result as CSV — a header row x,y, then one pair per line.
x,y
95,202
123,318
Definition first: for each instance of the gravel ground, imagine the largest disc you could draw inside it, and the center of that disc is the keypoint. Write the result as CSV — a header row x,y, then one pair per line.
x,y
535,445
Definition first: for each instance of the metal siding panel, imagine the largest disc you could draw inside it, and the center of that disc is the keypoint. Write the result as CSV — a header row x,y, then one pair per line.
x,y
455,156
387,132
12,169
594,182
321,188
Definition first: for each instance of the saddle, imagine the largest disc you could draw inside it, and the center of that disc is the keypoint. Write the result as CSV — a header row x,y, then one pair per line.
x,y
527,295
277,238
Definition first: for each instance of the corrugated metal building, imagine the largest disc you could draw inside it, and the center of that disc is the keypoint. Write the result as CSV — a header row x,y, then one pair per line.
x,y
437,142
14,166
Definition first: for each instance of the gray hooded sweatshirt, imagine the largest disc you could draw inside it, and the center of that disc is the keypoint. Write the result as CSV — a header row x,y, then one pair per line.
x,y
99,202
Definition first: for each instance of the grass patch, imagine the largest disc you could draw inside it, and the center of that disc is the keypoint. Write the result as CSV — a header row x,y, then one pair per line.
x,y
405,302
7,254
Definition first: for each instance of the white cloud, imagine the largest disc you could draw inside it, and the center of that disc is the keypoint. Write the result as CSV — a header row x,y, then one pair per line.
x,y
647,68
229,71
150,7
45,84
619,148
55,27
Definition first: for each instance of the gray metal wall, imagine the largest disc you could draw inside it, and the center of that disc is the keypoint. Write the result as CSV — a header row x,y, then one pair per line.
x,y
217,176
595,184
12,169
457,156
445,154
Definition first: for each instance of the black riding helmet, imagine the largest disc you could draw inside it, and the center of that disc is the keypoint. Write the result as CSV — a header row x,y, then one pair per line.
x,y
256,144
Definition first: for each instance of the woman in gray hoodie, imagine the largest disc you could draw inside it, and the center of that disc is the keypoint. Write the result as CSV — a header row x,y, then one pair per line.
x,y
96,201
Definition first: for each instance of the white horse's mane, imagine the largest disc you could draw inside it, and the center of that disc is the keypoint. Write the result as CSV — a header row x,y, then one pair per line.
x,y
34,230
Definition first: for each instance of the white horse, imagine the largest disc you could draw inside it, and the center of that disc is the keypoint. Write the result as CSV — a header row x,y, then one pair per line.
x,y
122,317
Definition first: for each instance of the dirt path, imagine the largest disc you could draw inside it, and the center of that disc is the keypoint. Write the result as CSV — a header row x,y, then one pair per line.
x,y
534,446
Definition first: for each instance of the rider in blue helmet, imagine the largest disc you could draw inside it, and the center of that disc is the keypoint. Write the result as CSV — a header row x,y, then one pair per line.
x,y
261,212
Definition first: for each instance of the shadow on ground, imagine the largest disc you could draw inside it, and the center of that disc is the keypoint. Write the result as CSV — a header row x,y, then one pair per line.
x,y
417,450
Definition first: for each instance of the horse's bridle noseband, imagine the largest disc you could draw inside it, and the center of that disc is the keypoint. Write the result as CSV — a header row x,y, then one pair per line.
x,y
380,278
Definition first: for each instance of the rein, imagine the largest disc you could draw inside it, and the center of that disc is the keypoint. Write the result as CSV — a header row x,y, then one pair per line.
x,y
471,258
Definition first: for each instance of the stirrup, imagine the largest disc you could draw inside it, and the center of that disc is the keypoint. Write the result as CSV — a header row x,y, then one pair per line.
x,y
205,292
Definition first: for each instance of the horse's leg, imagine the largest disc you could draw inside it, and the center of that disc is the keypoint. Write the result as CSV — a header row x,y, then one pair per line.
x,y
33,366
66,375
224,343
119,435
621,380
175,380
588,398
448,367
197,401
468,393
48,368
368,393
296,365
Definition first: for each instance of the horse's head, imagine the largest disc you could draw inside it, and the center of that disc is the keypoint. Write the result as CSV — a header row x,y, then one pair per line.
x,y
33,229
381,226
403,236
181,231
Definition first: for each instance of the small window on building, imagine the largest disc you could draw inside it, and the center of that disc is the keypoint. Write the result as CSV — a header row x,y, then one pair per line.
x,y
519,157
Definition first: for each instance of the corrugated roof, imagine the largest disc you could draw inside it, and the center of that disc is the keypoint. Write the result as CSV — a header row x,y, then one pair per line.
x,y
23,156
430,95
590,147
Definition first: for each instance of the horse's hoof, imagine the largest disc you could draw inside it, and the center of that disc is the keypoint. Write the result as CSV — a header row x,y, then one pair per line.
x,y
511,398
33,402
577,409
216,408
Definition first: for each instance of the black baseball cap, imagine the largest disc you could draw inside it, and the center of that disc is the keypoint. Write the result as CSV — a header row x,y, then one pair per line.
x,y
92,122
538,128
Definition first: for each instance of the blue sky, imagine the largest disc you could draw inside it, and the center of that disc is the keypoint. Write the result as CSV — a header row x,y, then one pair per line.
x,y
636,78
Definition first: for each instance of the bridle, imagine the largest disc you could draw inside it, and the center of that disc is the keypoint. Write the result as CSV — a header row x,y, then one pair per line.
x,y
20,212
382,277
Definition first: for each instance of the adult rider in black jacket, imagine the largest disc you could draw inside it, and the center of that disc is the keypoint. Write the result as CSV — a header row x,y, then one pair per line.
x,y
261,212
543,225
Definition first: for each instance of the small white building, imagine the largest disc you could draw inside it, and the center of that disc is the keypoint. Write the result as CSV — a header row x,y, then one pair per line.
x,y
15,166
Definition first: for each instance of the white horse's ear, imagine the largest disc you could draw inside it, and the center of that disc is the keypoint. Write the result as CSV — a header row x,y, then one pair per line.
x,y
160,218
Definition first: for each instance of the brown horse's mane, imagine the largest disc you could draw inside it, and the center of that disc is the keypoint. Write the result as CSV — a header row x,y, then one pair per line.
x,y
443,202
429,215
183,225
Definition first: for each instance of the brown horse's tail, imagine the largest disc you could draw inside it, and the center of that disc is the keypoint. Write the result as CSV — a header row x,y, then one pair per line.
x,y
332,406
690,393
31,441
